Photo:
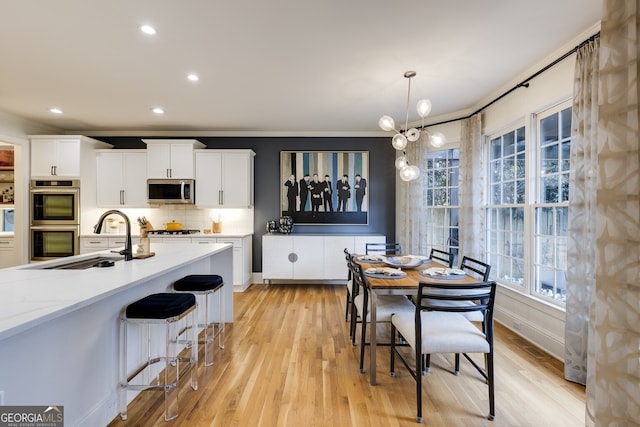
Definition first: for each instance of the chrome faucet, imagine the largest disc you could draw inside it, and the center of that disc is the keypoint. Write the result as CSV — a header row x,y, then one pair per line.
x,y
127,252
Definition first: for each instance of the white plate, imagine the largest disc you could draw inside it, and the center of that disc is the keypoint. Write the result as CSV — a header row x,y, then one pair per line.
x,y
386,276
370,261
444,273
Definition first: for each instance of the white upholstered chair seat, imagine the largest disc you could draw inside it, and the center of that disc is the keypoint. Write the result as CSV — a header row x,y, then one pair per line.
x,y
386,306
443,332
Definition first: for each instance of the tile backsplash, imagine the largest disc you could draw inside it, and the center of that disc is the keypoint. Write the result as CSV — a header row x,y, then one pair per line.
x,y
234,221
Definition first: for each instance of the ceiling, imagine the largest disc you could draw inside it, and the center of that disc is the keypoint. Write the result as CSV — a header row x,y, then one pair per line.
x,y
271,66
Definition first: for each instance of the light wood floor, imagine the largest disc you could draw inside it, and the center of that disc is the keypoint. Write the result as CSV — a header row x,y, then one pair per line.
x,y
288,361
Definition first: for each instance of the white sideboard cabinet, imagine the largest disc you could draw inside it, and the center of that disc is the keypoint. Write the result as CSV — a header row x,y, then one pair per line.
x,y
310,257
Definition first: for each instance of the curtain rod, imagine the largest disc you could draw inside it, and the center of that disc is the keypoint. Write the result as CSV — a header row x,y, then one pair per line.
x,y
524,83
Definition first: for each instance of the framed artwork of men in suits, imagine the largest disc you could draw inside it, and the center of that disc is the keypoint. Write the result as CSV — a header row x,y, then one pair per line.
x,y
325,187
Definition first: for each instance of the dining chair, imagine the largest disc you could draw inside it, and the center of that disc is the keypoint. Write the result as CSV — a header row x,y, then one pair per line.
x,y
383,248
386,306
474,268
443,328
349,285
442,256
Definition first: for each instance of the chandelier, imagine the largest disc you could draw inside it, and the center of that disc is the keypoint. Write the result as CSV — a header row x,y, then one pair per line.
x,y
409,172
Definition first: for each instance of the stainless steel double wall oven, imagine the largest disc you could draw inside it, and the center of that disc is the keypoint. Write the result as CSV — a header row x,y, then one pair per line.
x,y
55,218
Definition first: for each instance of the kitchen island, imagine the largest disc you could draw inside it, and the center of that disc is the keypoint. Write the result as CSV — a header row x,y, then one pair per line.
x,y
59,335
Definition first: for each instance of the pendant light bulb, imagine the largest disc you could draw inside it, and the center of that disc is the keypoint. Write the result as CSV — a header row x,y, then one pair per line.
x,y
386,123
424,108
437,139
401,162
415,172
399,141
406,173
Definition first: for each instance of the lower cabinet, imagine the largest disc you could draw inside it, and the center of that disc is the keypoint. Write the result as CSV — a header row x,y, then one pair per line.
x,y
242,250
8,255
310,257
100,243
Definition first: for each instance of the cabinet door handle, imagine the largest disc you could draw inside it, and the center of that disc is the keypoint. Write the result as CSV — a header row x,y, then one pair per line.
x,y
293,257
53,170
220,198
169,173
122,197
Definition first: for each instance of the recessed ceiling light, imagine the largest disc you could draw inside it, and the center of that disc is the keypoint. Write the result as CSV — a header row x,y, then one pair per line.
x,y
148,29
193,77
157,110
55,110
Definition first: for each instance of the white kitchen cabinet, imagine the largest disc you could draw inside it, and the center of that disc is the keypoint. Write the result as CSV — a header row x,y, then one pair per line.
x,y
57,157
309,257
54,156
173,240
8,255
224,178
99,242
121,178
171,158
242,252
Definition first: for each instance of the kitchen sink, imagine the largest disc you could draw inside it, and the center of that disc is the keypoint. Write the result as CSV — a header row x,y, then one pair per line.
x,y
83,264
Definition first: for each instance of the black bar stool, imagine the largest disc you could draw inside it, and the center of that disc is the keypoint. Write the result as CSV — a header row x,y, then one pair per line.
x,y
177,312
205,285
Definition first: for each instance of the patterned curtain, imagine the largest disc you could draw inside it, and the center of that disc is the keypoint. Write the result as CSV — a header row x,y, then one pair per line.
x,y
472,189
613,368
581,245
412,233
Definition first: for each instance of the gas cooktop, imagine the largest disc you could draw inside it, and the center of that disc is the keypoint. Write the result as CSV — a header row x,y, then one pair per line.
x,y
173,232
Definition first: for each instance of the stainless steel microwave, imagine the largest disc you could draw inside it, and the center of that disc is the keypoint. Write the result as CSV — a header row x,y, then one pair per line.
x,y
171,191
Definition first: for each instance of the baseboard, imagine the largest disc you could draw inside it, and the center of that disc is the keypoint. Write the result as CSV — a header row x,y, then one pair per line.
x,y
532,321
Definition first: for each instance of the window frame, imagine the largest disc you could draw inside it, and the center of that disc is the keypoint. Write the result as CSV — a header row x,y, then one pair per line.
x,y
489,205
536,201
532,198
450,156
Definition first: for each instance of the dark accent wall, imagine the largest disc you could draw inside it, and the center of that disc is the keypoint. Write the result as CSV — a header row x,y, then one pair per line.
x,y
267,179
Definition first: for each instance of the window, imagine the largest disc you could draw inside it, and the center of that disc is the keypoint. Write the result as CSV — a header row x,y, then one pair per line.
x,y
505,213
552,203
527,209
442,200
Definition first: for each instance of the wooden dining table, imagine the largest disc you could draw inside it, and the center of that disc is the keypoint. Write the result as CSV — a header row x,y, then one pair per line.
x,y
407,285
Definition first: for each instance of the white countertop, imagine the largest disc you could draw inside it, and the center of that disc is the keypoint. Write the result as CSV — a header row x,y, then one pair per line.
x,y
30,297
198,235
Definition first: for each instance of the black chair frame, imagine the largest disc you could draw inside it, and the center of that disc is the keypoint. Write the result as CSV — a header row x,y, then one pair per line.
x,y
483,297
443,256
383,248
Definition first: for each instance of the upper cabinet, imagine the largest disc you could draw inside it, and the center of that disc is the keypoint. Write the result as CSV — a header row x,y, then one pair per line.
x,y
224,178
55,156
171,158
121,178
